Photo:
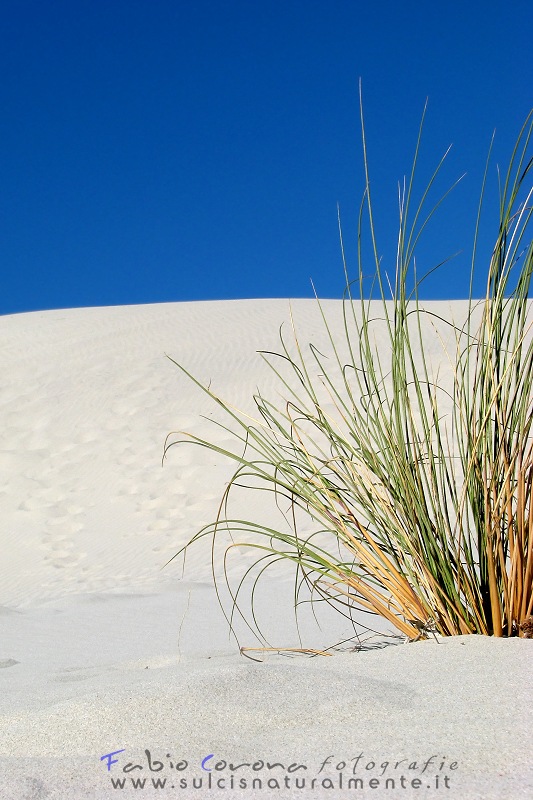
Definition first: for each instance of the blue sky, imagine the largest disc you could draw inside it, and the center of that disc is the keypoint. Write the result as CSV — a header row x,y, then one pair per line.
x,y
157,151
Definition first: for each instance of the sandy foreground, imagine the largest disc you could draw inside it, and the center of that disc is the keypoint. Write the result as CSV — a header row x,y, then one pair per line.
x,y
119,677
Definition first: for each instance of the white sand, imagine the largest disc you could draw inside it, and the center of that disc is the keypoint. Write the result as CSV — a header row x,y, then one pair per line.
x,y
102,650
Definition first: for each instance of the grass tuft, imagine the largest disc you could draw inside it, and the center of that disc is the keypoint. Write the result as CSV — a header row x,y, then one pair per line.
x,y
419,488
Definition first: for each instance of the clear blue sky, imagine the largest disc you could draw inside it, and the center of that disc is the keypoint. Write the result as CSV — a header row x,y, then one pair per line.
x,y
162,150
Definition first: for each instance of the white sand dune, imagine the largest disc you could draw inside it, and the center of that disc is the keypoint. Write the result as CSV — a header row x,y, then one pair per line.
x,y
103,650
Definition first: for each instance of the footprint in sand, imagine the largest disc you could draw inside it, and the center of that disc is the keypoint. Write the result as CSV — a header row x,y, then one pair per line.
x,y
58,540
8,662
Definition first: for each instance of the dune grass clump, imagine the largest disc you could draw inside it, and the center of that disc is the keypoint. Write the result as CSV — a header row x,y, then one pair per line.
x,y
420,493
